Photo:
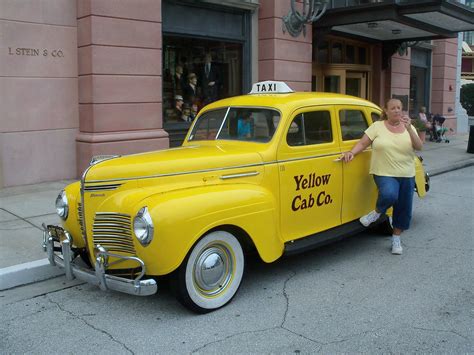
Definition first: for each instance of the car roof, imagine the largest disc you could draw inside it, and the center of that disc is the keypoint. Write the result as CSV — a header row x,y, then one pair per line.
x,y
291,101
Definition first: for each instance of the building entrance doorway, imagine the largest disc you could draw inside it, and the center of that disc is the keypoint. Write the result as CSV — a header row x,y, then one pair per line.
x,y
342,65
341,81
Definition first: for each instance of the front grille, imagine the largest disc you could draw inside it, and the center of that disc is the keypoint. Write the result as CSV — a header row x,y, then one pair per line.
x,y
113,231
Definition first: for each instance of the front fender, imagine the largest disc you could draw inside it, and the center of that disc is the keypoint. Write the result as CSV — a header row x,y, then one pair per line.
x,y
72,223
181,217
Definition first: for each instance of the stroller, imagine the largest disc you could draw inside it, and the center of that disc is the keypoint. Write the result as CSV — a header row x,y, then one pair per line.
x,y
438,131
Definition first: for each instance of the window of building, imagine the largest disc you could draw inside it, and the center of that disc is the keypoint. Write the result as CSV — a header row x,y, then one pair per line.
x,y
350,54
310,128
353,124
332,83
322,52
362,58
197,72
337,51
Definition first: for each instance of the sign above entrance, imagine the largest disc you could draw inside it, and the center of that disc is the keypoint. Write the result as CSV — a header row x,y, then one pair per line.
x,y
270,87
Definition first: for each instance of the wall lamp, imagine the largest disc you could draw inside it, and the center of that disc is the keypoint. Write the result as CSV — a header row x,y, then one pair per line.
x,y
295,22
403,47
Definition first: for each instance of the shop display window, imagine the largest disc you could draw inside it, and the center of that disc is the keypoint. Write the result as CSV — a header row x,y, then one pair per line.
x,y
336,52
197,72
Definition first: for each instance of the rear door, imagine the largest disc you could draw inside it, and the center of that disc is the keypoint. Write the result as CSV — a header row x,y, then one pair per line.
x,y
359,189
310,179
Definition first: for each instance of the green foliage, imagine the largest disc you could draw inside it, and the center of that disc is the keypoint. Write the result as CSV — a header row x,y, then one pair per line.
x,y
418,124
467,98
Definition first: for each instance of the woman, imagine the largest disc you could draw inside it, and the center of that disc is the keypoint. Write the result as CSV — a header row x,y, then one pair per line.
x,y
393,141
423,117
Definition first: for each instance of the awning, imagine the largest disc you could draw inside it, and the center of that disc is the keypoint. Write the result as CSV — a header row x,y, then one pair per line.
x,y
398,20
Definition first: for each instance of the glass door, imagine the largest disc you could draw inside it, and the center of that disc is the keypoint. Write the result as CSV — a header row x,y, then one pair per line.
x,y
334,81
356,84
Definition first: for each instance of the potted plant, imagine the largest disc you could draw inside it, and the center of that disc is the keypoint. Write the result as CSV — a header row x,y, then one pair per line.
x,y
420,127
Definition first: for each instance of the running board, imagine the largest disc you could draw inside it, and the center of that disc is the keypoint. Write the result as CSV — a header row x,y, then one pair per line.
x,y
326,237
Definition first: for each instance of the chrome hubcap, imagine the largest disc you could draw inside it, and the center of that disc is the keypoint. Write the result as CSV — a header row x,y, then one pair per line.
x,y
213,270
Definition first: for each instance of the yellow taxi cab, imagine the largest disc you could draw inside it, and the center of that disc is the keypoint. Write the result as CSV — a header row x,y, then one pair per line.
x,y
258,172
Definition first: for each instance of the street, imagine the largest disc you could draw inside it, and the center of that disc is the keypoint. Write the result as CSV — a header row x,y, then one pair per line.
x,y
348,297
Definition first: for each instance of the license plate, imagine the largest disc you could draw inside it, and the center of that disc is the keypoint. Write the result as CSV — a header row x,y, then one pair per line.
x,y
56,232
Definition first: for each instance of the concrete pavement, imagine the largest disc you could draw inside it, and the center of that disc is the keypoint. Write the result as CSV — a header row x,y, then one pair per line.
x,y
23,209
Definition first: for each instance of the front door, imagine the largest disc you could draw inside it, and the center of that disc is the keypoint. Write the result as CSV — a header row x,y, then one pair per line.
x,y
310,178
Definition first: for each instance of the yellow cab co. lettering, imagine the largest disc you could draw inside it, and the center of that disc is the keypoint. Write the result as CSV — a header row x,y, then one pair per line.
x,y
310,182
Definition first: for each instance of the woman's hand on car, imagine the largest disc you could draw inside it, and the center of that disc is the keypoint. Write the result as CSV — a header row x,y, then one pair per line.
x,y
347,156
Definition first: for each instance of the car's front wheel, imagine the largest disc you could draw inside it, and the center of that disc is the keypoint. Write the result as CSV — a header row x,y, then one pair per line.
x,y
211,274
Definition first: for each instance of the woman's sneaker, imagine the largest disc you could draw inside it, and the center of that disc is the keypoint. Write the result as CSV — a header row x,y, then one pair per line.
x,y
396,246
369,218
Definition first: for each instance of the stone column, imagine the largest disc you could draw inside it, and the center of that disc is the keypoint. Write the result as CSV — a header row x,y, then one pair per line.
x,y
281,56
444,80
400,77
120,79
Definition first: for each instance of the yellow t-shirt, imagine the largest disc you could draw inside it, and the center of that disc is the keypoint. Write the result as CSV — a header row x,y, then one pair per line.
x,y
392,153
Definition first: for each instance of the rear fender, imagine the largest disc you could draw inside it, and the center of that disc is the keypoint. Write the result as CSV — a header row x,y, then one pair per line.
x,y
420,180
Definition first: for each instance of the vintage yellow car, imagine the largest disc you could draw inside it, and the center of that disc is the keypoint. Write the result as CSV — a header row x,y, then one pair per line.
x,y
259,172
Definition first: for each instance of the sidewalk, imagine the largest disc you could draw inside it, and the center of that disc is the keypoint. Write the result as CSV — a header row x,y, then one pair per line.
x,y
24,208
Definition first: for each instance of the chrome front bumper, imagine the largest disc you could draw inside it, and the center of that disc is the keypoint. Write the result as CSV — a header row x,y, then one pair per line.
x,y
98,277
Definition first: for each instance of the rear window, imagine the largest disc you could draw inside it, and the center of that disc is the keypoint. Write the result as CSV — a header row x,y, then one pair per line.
x,y
353,124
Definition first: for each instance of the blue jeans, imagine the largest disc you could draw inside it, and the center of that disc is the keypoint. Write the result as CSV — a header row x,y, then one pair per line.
x,y
396,192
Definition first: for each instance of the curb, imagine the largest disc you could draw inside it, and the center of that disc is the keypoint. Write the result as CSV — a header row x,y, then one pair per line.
x,y
22,274
452,167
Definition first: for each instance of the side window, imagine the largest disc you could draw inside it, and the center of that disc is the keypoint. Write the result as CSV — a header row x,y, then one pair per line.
x,y
375,116
353,124
295,134
310,128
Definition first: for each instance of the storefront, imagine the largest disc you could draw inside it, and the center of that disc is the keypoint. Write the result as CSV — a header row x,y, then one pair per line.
x,y
391,49
206,57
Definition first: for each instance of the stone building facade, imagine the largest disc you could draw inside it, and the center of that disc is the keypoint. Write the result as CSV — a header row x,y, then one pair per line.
x,y
91,77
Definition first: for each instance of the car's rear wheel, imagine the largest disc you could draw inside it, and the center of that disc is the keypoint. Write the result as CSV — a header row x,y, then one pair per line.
x,y
211,274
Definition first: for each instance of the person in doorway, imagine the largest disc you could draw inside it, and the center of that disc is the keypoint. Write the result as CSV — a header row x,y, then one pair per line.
x,y
393,141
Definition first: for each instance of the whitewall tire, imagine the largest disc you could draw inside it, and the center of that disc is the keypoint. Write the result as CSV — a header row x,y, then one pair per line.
x,y
211,274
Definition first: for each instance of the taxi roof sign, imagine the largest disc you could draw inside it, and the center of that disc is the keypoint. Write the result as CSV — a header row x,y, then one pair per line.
x,y
270,87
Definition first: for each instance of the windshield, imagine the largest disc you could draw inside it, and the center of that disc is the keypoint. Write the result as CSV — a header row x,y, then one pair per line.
x,y
237,123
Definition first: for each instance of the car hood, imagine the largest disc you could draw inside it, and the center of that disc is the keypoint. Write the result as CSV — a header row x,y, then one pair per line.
x,y
182,160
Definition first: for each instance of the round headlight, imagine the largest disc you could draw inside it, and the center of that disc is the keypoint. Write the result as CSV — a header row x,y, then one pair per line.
x,y
62,207
143,226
